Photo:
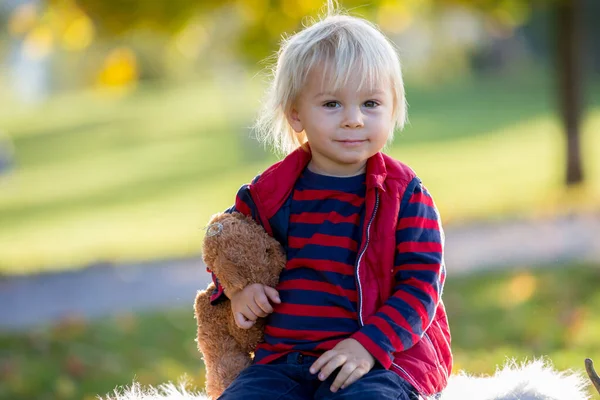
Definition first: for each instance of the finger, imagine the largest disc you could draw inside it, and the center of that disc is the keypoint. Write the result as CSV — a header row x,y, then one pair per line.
x,y
324,359
341,377
255,309
354,376
248,313
273,294
263,303
333,364
242,321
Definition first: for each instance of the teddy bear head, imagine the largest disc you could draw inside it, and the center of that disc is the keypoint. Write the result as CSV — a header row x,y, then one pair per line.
x,y
240,252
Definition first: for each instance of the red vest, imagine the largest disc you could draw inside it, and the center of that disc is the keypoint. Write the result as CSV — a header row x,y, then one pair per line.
x,y
426,365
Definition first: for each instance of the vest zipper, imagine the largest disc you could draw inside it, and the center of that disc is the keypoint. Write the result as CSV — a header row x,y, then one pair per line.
x,y
359,288
356,276
409,378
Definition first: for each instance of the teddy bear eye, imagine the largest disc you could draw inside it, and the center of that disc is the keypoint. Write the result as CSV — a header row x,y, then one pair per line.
x,y
214,229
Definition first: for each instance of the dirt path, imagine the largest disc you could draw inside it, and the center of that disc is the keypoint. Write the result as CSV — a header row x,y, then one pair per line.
x,y
98,291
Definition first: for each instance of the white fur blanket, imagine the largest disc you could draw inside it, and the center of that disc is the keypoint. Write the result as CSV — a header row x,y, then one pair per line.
x,y
536,380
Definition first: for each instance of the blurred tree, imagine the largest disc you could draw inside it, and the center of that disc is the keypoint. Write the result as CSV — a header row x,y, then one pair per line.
x,y
568,39
570,81
114,17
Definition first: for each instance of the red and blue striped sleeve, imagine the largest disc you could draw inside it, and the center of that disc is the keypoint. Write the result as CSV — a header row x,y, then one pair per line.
x,y
244,205
419,274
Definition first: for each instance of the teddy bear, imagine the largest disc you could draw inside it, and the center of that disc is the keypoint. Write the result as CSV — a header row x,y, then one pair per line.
x,y
239,252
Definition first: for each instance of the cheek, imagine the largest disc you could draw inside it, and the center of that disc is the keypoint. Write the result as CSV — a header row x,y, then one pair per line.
x,y
319,122
319,116
383,131
380,122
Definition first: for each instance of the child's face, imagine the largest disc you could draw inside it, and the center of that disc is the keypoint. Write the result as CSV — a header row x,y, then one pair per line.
x,y
345,127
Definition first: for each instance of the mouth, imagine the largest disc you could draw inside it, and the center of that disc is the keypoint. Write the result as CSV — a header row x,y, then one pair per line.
x,y
351,142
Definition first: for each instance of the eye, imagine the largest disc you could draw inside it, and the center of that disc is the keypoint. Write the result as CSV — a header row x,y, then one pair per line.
x,y
214,229
371,104
331,104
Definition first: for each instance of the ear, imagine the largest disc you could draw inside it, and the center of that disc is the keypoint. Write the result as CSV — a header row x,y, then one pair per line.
x,y
293,118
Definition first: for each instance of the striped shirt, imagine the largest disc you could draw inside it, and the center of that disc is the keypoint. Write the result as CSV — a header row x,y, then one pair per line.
x,y
317,288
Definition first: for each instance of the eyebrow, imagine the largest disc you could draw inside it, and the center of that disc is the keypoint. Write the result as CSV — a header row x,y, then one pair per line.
x,y
328,93
320,94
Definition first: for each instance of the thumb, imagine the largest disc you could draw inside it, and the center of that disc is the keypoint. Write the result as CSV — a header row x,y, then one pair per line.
x,y
272,294
242,322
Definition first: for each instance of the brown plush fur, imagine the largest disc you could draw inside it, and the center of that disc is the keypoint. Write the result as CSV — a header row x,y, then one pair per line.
x,y
239,252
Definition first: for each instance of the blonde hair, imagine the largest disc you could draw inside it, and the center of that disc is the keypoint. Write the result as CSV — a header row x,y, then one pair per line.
x,y
345,45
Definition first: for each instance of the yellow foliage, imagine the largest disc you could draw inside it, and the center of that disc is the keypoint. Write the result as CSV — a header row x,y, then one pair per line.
x,y
252,10
191,40
64,20
120,69
512,12
275,23
79,33
301,8
394,16
519,289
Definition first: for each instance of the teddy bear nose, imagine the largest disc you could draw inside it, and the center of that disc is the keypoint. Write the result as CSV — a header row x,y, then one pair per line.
x,y
214,229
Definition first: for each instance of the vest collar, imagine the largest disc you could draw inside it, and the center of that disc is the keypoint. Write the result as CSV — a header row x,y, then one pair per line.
x,y
276,184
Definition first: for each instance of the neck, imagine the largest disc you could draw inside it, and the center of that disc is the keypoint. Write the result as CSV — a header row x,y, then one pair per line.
x,y
340,172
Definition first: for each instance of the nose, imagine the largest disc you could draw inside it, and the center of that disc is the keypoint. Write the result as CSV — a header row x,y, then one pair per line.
x,y
353,118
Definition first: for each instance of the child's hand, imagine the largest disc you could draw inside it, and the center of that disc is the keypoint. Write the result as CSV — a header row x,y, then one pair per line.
x,y
349,354
251,303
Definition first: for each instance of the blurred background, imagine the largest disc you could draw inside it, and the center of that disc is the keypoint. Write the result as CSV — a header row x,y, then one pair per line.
x,y
125,124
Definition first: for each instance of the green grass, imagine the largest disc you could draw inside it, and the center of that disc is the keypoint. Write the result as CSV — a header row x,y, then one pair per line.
x,y
525,313
77,360
519,313
105,179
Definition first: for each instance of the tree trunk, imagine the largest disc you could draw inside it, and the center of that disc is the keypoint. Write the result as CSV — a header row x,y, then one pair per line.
x,y
568,23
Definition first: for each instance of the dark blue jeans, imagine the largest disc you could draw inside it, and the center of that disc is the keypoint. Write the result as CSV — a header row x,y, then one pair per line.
x,y
289,378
